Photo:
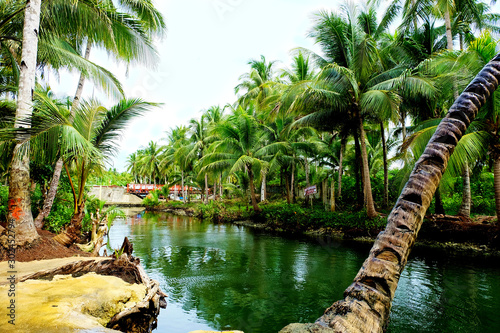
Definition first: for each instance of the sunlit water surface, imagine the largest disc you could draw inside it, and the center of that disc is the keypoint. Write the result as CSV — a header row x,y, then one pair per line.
x,y
227,277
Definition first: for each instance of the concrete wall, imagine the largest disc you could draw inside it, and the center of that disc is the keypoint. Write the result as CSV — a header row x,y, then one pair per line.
x,y
115,195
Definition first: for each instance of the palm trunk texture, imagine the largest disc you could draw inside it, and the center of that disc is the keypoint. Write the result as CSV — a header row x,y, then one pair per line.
x,y
496,185
466,193
19,217
386,169
367,301
367,185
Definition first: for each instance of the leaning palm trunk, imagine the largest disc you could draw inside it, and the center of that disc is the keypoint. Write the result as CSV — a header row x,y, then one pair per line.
x,y
19,217
466,194
54,183
51,195
367,303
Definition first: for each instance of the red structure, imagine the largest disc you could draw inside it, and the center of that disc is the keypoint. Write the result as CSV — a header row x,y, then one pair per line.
x,y
146,188
142,188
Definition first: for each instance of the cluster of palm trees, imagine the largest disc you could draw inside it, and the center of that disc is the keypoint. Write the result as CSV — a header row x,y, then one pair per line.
x,y
78,135
369,93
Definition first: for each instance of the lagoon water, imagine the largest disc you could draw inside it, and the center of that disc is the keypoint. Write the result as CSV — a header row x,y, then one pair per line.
x,y
223,277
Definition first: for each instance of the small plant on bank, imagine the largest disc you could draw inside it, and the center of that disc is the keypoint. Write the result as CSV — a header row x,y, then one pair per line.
x,y
152,199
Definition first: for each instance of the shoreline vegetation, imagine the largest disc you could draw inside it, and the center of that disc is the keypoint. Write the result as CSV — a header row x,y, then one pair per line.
x,y
477,236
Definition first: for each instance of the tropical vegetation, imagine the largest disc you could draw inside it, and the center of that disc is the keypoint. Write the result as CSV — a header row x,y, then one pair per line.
x,y
352,120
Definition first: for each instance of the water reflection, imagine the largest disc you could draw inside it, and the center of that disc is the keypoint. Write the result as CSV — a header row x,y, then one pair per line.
x,y
227,277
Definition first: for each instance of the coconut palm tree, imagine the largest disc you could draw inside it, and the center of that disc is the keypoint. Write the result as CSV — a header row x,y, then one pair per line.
x,y
256,85
200,139
353,85
19,217
151,160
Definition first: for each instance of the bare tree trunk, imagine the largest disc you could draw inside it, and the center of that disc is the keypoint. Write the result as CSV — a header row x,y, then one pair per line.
x,y
220,186
206,189
255,206
288,190
466,194
19,217
54,183
370,206
341,160
263,195
438,203
182,187
449,36
367,301
51,195
496,175
357,171
81,82
332,196
306,169
324,191
215,189
386,169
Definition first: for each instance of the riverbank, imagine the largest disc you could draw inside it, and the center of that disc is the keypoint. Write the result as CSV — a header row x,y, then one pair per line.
x,y
54,288
479,236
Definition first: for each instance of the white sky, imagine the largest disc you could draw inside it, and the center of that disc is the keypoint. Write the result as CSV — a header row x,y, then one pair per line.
x,y
206,48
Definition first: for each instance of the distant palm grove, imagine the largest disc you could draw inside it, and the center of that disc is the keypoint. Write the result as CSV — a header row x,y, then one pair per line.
x,y
352,119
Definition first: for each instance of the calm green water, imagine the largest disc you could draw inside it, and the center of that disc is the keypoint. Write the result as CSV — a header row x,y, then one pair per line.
x,y
226,277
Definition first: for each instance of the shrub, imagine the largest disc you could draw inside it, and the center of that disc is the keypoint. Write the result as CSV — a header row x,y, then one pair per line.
x,y
152,199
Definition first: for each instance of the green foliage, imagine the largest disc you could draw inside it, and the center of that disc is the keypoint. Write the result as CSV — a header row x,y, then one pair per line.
x,y
152,199
296,216
62,210
110,177
482,196
219,212
4,196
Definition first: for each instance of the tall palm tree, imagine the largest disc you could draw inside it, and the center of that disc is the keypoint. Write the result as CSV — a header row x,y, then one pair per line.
x,y
353,84
132,165
200,140
19,217
151,160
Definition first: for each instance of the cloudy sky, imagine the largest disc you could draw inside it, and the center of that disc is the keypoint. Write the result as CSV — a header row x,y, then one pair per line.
x,y
206,48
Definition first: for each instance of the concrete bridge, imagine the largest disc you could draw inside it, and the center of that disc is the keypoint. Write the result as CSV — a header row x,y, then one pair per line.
x,y
115,195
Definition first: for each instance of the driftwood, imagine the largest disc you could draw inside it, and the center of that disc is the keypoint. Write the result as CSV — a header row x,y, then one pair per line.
x,y
142,316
